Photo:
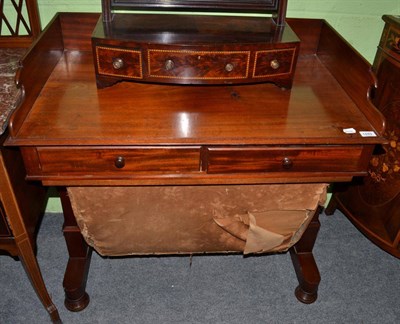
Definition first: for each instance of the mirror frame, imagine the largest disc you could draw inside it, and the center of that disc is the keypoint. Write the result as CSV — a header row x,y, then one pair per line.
x,y
275,7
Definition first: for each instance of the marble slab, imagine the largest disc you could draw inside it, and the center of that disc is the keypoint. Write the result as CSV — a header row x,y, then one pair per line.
x,y
9,94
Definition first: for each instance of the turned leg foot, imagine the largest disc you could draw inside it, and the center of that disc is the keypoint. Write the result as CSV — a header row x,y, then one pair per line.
x,y
304,296
304,263
307,275
76,305
76,297
76,273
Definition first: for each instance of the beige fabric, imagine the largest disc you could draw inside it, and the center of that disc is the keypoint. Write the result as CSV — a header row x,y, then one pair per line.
x,y
194,219
267,231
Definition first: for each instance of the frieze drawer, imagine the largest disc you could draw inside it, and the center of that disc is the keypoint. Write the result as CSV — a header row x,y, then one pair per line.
x,y
111,160
291,159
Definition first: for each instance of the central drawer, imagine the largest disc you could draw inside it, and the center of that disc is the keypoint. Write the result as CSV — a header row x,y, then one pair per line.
x,y
281,159
212,65
111,160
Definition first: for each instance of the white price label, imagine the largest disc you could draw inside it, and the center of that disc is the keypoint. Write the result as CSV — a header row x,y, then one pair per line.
x,y
367,134
349,130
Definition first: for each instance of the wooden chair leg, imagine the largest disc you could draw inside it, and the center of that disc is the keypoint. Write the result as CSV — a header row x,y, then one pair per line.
x,y
76,297
19,209
32,269
304,263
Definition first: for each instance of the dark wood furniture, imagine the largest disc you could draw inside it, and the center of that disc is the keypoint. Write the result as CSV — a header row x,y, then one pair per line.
x,y
21,207
194,49
275,7
17,30
373,203
21,203
131,134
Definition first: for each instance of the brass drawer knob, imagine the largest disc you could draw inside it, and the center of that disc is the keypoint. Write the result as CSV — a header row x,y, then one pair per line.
x,y
119,162
169,65
229,67
287,163
118,63
275,64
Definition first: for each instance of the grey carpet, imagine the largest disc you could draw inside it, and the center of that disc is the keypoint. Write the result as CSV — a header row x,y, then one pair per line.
x,y
360,284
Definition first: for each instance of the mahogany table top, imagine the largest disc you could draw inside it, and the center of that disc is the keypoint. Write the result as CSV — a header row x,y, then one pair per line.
x,y
71,110
72,133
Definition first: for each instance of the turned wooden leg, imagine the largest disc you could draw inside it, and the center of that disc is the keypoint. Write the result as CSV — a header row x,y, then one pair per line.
x,y
76,298
304,263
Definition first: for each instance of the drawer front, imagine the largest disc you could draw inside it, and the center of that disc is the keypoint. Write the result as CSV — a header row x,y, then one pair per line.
x,y
313,159
119,62
274,62
198,65
112,160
